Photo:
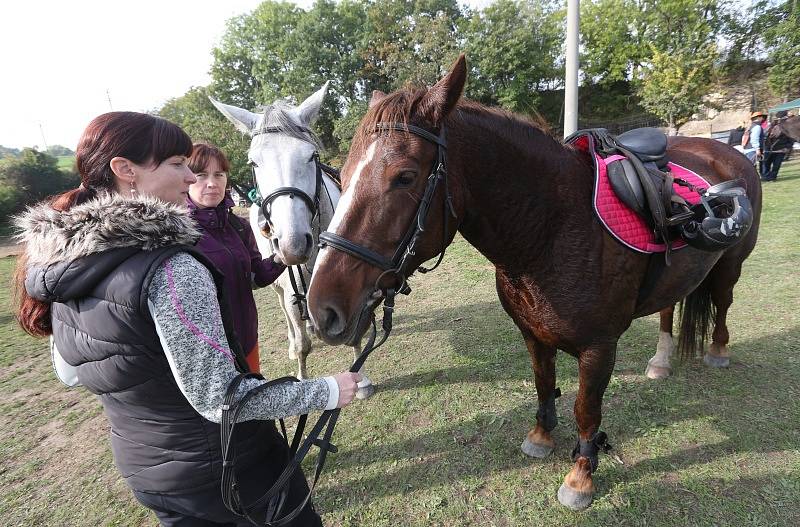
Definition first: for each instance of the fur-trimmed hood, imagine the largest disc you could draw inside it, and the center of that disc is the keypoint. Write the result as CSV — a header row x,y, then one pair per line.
x,y
109,221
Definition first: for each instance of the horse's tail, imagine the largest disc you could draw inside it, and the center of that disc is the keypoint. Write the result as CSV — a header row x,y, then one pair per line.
x,y
696,311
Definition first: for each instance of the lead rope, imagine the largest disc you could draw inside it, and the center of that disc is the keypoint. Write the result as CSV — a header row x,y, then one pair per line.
x,y
274,499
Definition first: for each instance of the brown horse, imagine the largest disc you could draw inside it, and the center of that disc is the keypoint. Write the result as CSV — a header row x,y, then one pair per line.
x,y
791,127
524,200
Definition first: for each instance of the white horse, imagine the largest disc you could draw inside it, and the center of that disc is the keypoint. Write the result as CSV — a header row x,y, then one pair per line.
x,y
298,201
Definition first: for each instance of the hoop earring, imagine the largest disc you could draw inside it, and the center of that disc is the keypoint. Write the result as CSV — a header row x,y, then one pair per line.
x,y
133,188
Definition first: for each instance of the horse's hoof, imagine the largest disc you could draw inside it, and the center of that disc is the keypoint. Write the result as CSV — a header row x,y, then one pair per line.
x,y
573,499
657,372
537,450
715,361
365,392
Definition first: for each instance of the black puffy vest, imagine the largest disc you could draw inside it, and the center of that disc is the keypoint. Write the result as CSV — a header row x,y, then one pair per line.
x,y
102,326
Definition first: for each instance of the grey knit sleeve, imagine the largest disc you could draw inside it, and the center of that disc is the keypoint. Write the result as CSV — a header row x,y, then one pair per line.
x,y
183,303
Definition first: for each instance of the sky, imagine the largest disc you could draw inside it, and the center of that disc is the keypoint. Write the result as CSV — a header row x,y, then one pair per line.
x,y
63,60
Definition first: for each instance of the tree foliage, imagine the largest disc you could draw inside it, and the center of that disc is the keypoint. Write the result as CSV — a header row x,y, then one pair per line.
x,y
673,83
662,51
29,178
783,41
514,48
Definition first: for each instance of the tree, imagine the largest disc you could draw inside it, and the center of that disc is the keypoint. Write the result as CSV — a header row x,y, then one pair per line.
x,y
8,152
409,42
281,51
674,83
783,41
194,113
58,151
514,49
619,37
30,178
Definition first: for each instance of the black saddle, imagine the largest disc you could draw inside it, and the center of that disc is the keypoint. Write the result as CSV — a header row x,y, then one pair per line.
x,y
642,180
649,145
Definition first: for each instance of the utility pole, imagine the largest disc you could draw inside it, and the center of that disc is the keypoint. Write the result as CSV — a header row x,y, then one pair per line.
x,y
108,96
571,80
44,141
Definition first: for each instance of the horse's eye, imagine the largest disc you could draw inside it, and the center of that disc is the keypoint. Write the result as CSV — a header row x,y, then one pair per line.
x,y
405,179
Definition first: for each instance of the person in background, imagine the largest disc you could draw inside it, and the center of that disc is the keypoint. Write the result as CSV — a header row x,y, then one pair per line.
x,y
229,243
735,137
777,146
752,141
110,271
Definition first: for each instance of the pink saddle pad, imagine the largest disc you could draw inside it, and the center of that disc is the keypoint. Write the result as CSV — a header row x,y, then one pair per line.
x,y
622,222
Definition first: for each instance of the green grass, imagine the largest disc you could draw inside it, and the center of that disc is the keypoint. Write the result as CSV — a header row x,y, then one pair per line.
x,y
66,162
438,444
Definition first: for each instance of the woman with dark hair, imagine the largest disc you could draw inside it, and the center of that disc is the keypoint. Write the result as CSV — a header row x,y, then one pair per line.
x,y
228,242
110,272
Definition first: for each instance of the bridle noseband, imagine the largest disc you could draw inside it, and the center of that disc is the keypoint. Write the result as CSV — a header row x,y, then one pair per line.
x,y
397,264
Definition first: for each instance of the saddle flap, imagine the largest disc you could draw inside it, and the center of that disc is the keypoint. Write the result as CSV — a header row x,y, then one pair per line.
x,y
626,185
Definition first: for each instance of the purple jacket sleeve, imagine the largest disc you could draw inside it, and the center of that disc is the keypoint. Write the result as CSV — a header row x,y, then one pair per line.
x,y
265,271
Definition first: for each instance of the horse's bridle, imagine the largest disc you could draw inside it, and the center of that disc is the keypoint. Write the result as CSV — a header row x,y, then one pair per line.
x,y
398,262
265,204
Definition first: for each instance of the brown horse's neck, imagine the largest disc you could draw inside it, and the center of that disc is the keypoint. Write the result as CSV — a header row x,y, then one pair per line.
x,y
520,187
791,127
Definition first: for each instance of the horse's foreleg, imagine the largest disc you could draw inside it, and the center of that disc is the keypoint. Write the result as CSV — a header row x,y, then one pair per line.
x,y
658,367
722,283
289,325
365,387
595,366
538,442
300,344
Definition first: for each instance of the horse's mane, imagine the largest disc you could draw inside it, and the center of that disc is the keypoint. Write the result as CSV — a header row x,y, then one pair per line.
x,y
276,115
402,105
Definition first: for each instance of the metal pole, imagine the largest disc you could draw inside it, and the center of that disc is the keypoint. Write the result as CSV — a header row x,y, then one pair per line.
x,y
571,80
44,141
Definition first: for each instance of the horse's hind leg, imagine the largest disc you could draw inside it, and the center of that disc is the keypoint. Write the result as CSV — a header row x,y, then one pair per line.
x,y
595,365
658,367
723,278
538,442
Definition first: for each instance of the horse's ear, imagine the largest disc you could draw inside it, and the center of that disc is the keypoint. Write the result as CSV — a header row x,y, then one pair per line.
x,y
308,110
243,120
377,95
443,96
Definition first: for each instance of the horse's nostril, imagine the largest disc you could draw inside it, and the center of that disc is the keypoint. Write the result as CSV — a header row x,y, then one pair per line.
x,y
331,322
309,243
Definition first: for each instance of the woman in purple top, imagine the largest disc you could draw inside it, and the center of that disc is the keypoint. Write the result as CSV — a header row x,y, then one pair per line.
x,y
229,243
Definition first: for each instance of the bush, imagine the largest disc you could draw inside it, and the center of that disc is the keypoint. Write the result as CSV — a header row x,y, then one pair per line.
x,y
29,178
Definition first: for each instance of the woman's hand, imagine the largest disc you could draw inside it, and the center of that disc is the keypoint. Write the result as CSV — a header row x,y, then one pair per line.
x,y
348,386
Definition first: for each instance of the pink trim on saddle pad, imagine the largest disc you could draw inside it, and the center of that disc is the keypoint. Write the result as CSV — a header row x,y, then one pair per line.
x,y
622,222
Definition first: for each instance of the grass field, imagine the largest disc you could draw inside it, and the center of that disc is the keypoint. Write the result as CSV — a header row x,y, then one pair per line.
x,y
438,444
66,162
